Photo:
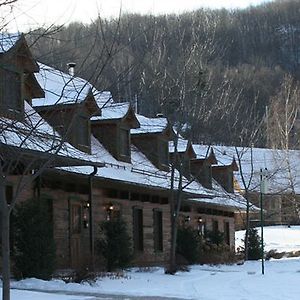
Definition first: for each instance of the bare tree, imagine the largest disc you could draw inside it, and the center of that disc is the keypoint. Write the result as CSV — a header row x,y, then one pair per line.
x,y
282,131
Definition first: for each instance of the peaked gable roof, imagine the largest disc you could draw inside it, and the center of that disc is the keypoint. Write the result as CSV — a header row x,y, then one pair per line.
x,y
182,147
36,135
15,45
117,111
60,87
8,41
283,166
151,125
102,98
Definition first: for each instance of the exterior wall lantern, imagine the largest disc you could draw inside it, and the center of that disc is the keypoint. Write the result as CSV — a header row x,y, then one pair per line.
x,y
86,208
200,226
187,219
109,210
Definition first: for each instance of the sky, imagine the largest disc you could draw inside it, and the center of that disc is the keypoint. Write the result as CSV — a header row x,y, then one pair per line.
x,y
34,13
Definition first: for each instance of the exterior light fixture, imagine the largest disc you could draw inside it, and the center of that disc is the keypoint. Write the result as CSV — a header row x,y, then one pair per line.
x,y
109,209
86,207
187,219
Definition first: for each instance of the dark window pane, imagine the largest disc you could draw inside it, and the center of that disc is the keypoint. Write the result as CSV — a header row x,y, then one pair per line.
x,y
138,231
158,230
10,90
124,142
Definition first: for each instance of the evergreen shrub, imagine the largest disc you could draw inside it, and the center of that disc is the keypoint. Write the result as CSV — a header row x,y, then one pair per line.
x,y
188,242
34,242
254,244
115,244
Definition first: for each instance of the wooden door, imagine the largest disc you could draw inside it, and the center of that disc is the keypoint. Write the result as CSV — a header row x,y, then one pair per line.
x,y
75,234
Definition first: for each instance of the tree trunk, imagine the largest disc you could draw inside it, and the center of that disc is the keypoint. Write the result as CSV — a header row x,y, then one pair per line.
x,y
173,267
247,226
5,243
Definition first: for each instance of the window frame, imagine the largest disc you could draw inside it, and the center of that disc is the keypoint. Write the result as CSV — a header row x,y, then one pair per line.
x,y
158,234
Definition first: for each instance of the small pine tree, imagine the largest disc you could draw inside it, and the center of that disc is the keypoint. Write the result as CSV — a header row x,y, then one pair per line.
x,y
115,244
188,242
34,241
254,244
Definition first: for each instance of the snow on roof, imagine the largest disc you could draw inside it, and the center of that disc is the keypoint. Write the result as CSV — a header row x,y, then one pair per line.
x,y
103,98
140,171
34,133
150,125
60,88
113,112
283,166
233,201
182,146
8,40
202,151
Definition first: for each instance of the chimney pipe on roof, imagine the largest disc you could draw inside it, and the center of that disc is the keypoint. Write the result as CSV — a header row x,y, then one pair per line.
x,y
71,68
160,115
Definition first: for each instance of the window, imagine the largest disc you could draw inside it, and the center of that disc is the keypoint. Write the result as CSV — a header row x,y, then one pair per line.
x,y
163,152
158,230
10,90
124,195
112,193
227,233
82,131
9,193
138,231
134,196
124,142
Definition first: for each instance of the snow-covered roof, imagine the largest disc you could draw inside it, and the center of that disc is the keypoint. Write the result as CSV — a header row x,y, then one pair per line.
x,y
140,171
113,111
8,40
283,166
150,125
202,151
102,98
182,146
232,201
34,133
60,87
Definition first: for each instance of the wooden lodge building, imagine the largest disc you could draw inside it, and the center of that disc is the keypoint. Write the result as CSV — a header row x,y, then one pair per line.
x,y
106,162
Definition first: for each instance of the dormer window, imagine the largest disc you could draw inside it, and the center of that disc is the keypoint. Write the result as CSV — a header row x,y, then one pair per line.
x,y
124,142
163,151
10,91
82,131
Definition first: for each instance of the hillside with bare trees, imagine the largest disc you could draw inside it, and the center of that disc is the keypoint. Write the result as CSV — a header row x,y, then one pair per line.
x,y
217,70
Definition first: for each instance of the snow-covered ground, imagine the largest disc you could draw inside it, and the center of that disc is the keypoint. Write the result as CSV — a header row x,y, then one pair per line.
x,y
226,282
280,238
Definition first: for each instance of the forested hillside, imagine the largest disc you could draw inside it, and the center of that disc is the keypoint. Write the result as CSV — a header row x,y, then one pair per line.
x,y
215,71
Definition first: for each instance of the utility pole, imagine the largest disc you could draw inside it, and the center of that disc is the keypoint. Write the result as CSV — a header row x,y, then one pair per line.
x,y
263,190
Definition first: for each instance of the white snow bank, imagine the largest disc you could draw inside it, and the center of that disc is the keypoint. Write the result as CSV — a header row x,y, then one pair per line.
x,y
202,282
280,238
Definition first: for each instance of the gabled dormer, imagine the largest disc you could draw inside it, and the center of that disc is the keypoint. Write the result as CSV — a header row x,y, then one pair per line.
x,y
185,153
112,129
223,174
201,166
152,138
68,105
16,73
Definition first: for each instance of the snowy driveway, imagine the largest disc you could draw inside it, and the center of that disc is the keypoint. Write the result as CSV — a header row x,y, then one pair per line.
x,y
35,294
